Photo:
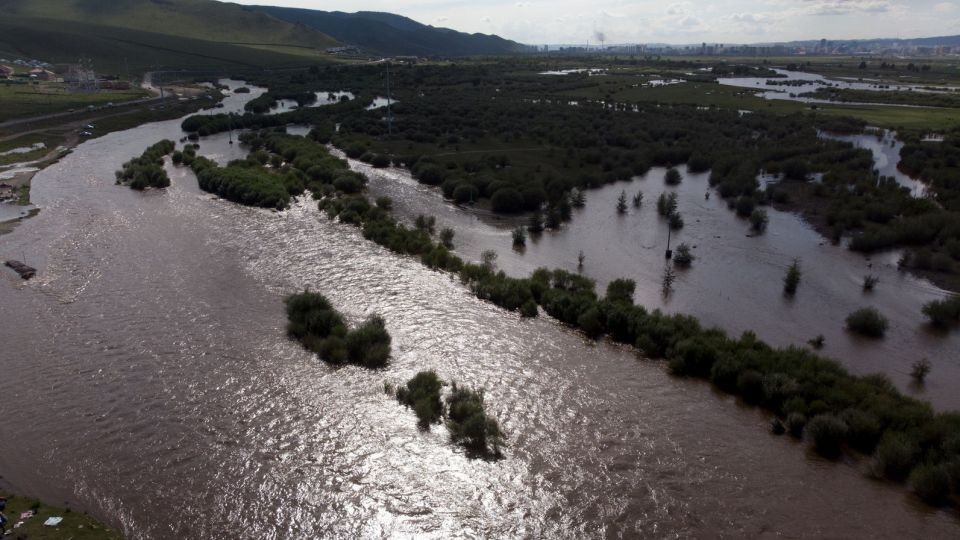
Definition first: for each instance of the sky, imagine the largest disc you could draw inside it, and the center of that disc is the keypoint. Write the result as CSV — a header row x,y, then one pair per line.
x,y
658,21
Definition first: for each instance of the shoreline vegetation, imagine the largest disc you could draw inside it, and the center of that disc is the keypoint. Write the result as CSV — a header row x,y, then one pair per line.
x,y
453,136
469,424
813,397
322,330
147,170
73,525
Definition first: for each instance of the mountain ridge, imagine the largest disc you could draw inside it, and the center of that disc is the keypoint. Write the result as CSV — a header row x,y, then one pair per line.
x,y
387,33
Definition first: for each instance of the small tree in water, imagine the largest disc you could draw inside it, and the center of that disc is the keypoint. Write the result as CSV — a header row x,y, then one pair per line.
x,y
519,237
683,258
638,199
578,198
489,259
580,258
672,177
535,225
759,220
446,237
676,221
622,203
921,368
792,280
667,204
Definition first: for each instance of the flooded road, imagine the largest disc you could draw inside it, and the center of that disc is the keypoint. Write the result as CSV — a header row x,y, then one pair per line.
x,y
148,379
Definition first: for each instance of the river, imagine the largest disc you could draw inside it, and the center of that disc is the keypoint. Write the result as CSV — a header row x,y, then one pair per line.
x,y
148,380
802,83
735,283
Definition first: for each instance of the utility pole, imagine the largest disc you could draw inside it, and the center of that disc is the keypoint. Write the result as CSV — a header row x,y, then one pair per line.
x,y
669,251
389,111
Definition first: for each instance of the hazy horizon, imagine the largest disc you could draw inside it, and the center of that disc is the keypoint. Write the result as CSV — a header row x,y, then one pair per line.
x,y
726,21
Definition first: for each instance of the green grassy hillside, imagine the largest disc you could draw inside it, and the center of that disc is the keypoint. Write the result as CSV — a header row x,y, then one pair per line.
x,y
199,19
112,49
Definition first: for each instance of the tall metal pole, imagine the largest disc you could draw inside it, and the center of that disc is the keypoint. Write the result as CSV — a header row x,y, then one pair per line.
x,y
669,253
389,111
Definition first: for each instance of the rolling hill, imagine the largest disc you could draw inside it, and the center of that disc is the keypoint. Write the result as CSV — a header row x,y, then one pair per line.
x,y
386,33
198,19
117,50
148,33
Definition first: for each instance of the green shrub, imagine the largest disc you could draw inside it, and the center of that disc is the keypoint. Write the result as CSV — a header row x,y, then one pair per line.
x,y
896,455
519,237
931,483
506,201
867,322
621,290
321,329
684,256
667,204
369,344
943,313
827,433
863,430
759,220
422,394
792,279
673,177
469,424
796,422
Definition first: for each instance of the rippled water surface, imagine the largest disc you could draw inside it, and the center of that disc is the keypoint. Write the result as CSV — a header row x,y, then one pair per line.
x,y
736,281
148,380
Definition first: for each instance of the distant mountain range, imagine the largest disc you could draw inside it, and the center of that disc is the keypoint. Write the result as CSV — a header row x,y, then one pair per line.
x,y
137,35
386,33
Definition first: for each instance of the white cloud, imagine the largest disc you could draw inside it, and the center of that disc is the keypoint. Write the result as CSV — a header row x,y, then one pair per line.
x,y
845,7
673,21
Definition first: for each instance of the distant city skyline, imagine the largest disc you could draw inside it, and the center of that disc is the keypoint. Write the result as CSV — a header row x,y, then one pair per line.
x,y
539,22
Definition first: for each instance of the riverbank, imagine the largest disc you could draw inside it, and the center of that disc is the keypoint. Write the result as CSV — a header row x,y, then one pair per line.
x,y
61,134
149,397
31,516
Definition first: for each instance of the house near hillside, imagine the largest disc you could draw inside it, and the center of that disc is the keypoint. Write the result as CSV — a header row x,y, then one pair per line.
x,y
6,72
41,74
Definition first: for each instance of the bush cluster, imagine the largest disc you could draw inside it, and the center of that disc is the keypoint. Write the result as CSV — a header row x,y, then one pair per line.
x,y
147,170
320,328
422,394
862,413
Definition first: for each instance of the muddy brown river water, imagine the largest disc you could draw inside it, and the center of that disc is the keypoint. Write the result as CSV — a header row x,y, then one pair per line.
x,y
147,379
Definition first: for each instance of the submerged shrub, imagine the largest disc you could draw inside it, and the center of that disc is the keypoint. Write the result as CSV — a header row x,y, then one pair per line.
x,y
469,424
795,424
896,455
320,328
422,394
931,483
863,430
943,313
369,344
867,322
827,433
684,256
792,280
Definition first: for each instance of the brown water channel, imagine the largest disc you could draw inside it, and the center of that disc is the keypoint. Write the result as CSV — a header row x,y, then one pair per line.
x,y
735,283
147,378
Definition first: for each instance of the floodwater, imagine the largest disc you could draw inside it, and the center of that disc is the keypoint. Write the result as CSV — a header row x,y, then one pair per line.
x,y
148,380
885,147
735,283
773,88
